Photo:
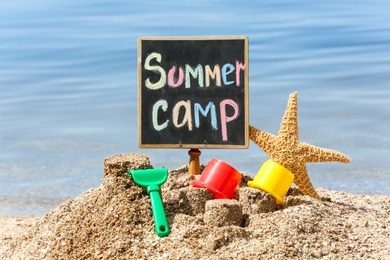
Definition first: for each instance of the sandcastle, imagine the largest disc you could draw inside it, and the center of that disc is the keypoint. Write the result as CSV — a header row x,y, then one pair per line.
x,y
114,221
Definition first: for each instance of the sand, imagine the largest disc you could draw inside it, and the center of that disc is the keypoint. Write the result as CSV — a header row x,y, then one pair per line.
x,y
114,221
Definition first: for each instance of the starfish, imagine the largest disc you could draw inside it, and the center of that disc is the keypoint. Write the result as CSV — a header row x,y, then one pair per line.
x,y
286,150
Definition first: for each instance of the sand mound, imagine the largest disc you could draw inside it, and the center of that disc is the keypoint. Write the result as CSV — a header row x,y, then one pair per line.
x,y
114,222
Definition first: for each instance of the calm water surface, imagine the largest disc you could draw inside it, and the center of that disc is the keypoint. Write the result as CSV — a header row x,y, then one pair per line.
x,y
68,88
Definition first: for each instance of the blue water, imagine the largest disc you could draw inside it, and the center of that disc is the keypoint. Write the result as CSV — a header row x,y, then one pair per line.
x,y
68,88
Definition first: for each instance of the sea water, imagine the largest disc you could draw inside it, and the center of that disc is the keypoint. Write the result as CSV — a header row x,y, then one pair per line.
x,y
68,88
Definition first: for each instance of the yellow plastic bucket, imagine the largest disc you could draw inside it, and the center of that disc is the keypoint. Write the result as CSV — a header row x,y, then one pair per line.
x,y
274,179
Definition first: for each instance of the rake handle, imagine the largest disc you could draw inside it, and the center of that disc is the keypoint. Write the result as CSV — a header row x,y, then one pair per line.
x,y
159,217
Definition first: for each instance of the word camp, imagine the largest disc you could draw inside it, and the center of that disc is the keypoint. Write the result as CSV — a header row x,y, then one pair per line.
x,y
179,76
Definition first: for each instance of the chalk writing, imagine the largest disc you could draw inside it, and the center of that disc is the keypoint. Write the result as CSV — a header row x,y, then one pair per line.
x,y
191,72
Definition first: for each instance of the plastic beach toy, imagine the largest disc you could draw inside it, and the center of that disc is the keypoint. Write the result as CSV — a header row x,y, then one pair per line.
x,y
274,179
152,179
219,178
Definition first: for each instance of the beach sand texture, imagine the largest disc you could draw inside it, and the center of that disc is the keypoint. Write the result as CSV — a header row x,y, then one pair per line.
x,y
114,221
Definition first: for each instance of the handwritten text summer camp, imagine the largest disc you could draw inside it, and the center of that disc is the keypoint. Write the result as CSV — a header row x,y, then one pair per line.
x,y
181,76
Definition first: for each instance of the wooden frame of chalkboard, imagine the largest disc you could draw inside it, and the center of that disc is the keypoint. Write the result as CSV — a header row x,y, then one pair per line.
x,y
193,92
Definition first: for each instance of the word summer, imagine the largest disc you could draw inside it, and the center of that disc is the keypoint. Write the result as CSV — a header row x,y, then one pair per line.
x,y
226,75
160,108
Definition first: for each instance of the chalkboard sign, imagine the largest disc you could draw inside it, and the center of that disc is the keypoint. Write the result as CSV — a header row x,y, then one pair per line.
x,y
193,92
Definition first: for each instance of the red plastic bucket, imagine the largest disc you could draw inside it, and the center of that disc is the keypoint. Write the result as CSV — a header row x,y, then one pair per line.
x,y
219,178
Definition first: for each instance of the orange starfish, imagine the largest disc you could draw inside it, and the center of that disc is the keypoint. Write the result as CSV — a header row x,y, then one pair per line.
x,y
286,150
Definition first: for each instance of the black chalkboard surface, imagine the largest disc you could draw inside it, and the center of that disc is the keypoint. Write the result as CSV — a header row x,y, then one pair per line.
x,y
193,92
